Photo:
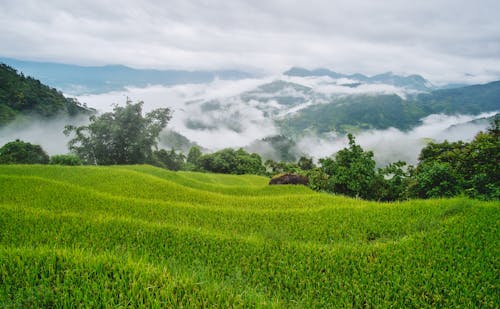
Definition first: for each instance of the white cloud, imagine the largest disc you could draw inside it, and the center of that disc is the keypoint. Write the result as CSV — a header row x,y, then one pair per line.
x,y
442,40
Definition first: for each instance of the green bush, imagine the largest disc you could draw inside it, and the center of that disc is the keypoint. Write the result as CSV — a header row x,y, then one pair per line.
x,y
19,152
65,159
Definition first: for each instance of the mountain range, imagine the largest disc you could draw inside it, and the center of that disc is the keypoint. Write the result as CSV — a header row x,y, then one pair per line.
x,y
415,82
78,80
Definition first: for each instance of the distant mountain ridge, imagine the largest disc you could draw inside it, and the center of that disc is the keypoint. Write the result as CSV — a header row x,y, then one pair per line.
x,y
77,80
414,81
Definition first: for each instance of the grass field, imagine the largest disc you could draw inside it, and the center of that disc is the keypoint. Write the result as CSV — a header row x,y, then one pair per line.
x,y
139,236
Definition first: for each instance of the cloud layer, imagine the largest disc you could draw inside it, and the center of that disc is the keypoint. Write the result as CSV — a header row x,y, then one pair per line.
x,y
444,40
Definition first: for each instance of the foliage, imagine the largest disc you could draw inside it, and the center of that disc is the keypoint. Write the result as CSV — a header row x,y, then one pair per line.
x,y
351,172
169,159
447,169
65,159
193,156
19,152
26,95
392,182
139,236
123,136
305,163
435,179
230,161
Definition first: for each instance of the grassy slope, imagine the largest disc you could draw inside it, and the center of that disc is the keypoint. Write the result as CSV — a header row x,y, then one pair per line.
x,y
138,235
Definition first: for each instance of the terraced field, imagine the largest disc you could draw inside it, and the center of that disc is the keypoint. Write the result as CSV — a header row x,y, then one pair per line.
x,y
139,236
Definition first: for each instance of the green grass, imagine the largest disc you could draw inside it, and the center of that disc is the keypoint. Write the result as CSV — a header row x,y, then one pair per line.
x,y
139,236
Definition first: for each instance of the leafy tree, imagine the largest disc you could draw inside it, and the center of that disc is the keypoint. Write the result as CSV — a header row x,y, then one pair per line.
x,y
194,155
481,168
169,159
392,182
275,167
305,163
471,168
230,161
351,171
123,136
436,179
65,159
318,179
19,152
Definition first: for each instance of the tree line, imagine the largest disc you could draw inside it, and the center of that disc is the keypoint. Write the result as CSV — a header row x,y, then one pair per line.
x,y
125,136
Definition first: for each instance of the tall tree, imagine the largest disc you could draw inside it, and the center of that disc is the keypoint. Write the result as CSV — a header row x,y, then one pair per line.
x,y
123,136
351,171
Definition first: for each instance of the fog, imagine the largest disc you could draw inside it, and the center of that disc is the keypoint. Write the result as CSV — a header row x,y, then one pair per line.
x,y
392,144
45,132
215,115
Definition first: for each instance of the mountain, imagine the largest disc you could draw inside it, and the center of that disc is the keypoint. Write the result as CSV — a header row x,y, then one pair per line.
x,y
78,80
315,105
21,95
364,112
415,82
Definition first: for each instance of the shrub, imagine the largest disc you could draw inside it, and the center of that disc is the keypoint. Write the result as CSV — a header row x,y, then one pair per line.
x,y
19,152
65,159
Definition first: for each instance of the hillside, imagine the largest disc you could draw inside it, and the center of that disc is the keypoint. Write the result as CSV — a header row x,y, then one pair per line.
x,y
139,236
363,112
21,95
296,105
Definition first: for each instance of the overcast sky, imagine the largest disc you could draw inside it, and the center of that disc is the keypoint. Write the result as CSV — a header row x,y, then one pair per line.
x,y
444,40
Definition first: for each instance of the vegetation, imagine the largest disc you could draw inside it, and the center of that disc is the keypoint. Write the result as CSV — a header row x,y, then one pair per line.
x,y
123,136
446,169
20,95
139,236
352,114
65,159
19,152
232,161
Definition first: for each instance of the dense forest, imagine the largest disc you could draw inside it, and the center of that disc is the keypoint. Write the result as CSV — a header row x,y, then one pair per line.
x,y
21,95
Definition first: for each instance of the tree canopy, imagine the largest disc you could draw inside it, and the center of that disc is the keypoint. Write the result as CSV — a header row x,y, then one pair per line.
x,y
19,152
122,136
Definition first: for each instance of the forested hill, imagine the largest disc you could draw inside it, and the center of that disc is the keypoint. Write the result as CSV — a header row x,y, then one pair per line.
x,y
21,95
365,111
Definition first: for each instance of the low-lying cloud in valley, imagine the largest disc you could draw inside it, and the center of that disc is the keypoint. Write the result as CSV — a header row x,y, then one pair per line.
x,y
215,116
238,113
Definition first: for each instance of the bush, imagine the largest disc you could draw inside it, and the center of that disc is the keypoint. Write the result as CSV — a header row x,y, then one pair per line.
x,y
65,159
436,179
19,152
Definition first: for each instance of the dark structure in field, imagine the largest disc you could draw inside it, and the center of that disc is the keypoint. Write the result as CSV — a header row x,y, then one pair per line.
x,y
289,179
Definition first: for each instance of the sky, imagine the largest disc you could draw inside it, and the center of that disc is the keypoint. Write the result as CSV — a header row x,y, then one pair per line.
x,y
443,40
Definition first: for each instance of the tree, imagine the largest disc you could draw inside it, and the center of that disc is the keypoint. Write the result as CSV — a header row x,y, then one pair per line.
x,y
447,169
392,182
230,161
194,155
351,171
123,136
169,159
19,152
436,179
305,163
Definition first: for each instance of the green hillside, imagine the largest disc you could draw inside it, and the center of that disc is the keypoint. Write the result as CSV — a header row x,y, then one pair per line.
x,y
21,95
139,236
